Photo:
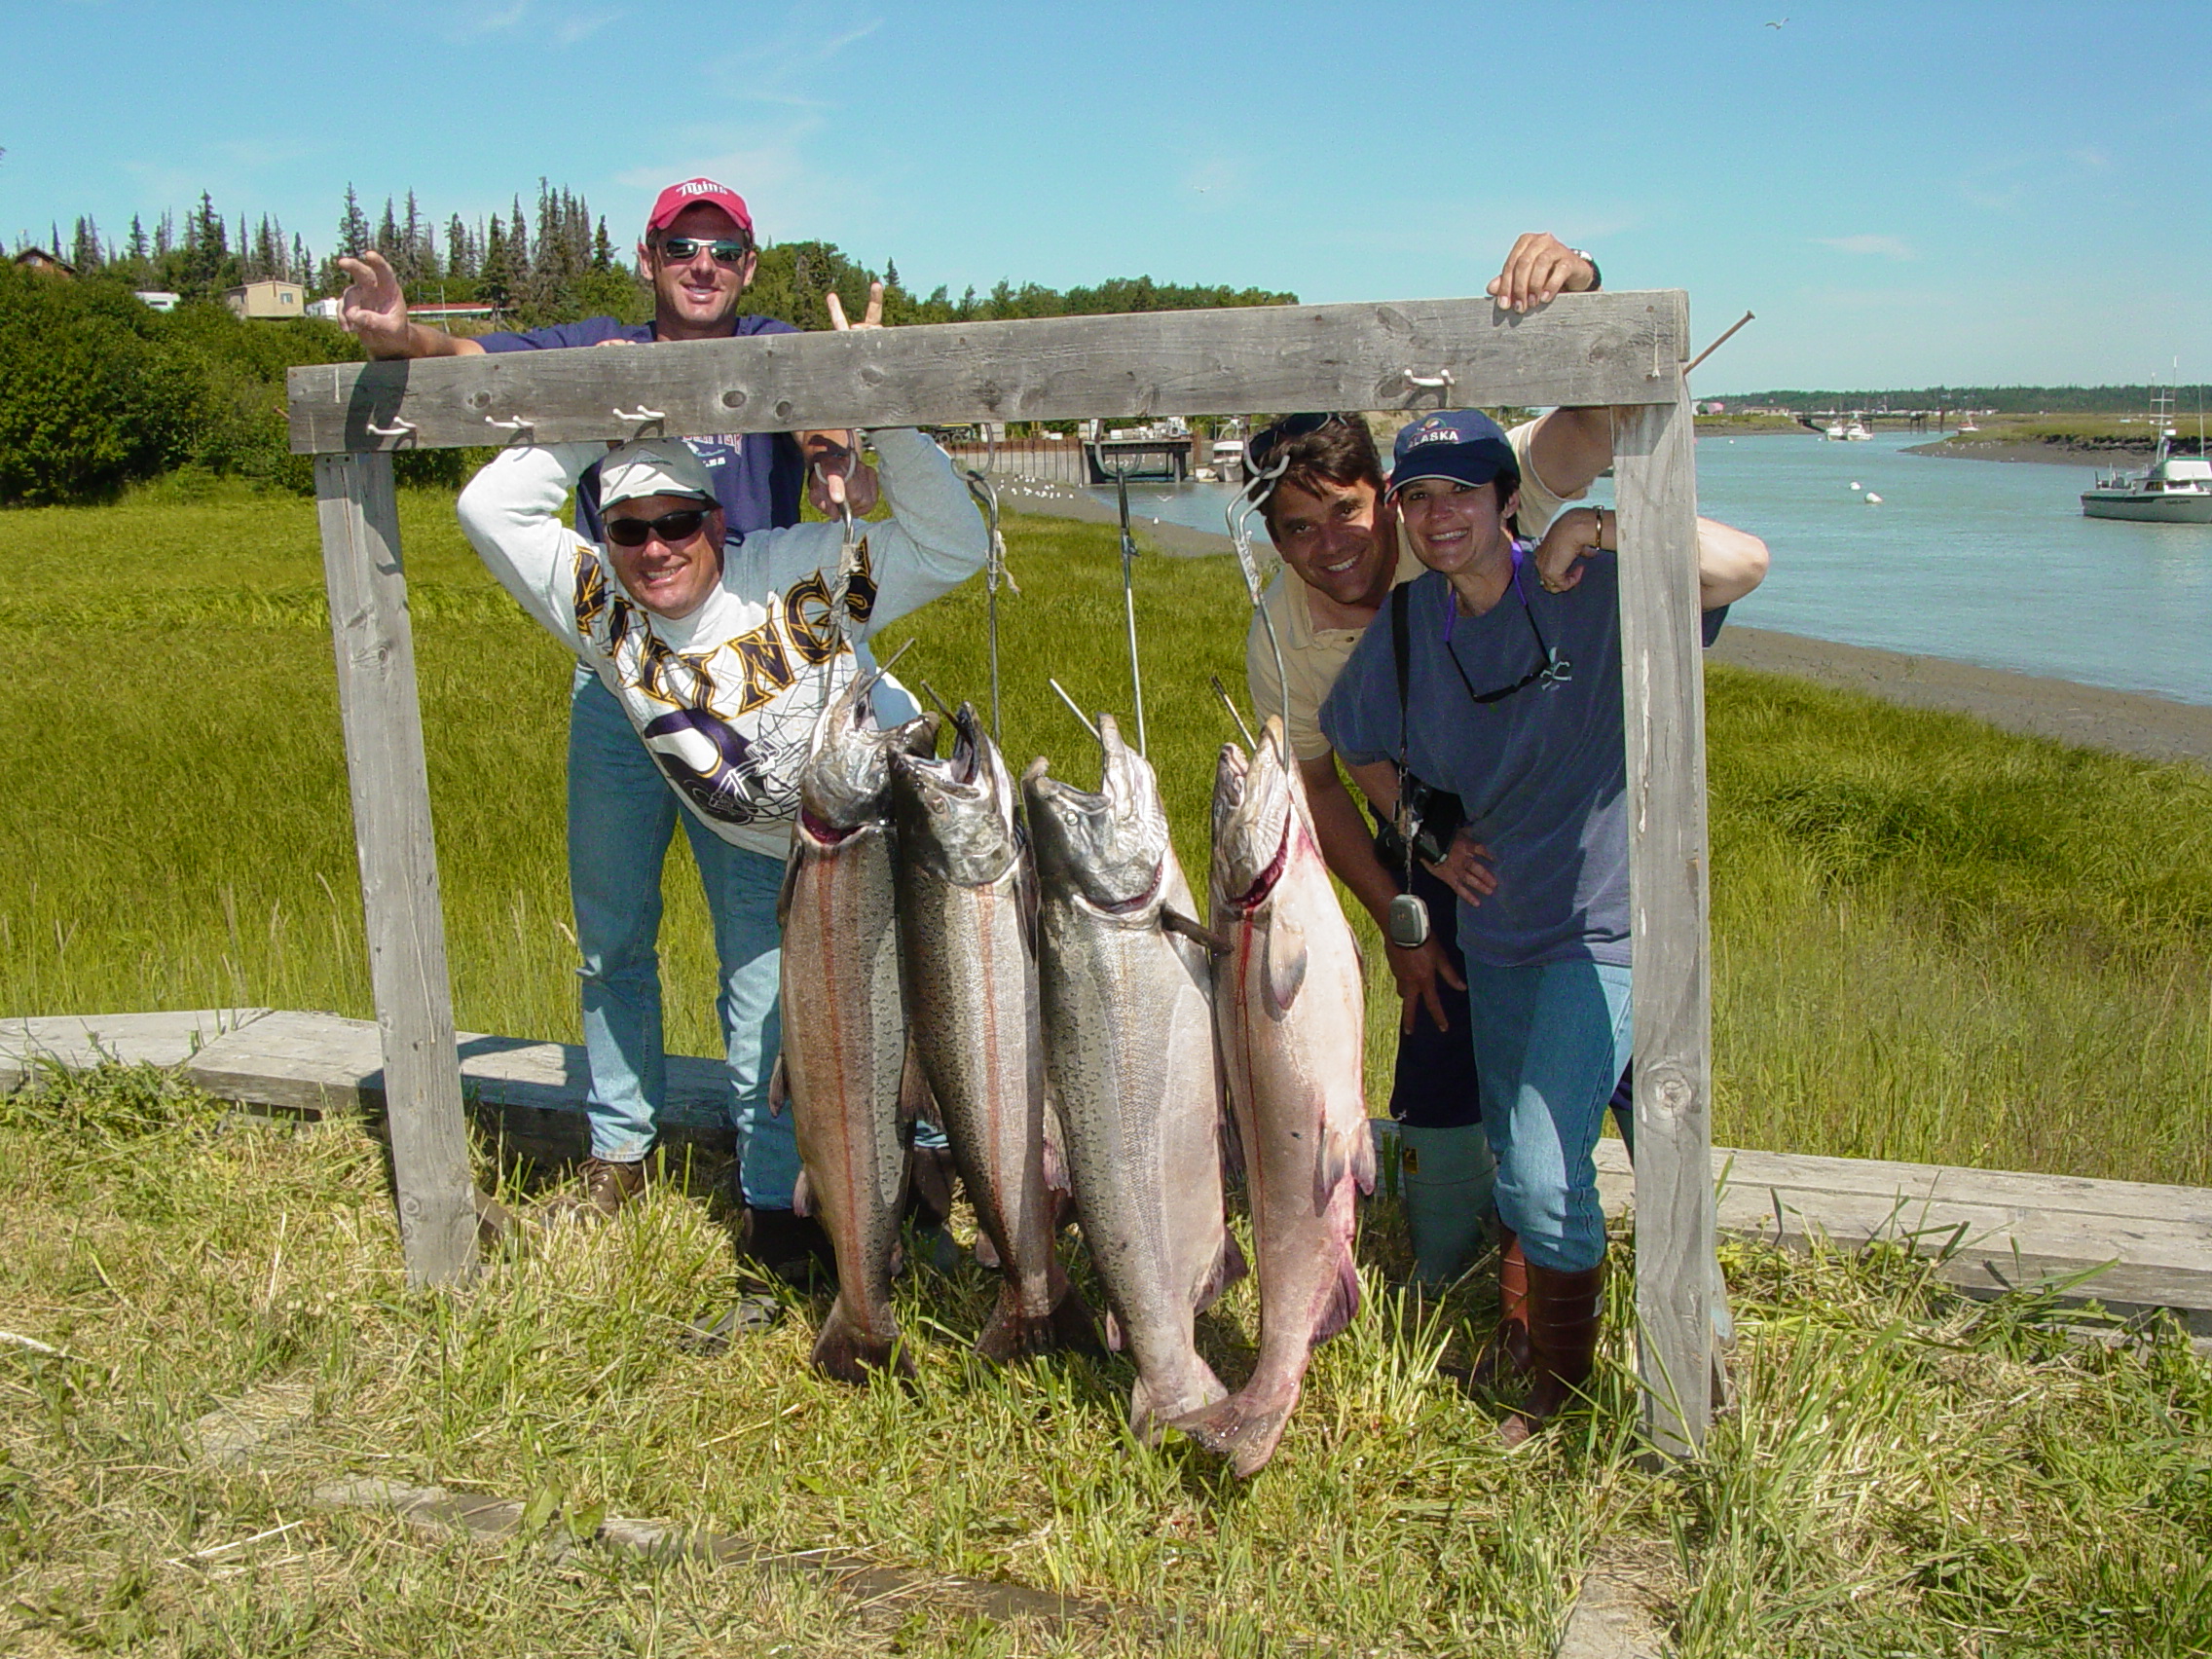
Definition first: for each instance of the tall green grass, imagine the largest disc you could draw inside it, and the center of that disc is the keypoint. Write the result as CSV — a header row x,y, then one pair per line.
x,y
1932,940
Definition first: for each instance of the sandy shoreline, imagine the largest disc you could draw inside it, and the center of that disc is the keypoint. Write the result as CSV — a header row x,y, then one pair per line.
x,y
2120,722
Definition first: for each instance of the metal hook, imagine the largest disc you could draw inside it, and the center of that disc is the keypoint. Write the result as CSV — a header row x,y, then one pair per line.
x,y
1251,503
1074,711
520,424
1442,378
1222,691
640,414
398,428
986,497
1129,596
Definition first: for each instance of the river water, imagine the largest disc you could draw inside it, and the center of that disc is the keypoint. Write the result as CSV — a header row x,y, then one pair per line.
x,y
1983,562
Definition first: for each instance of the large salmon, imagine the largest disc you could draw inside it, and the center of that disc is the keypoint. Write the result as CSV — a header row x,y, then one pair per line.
x,y
1290,1010
965,934
1128,1052
845,1022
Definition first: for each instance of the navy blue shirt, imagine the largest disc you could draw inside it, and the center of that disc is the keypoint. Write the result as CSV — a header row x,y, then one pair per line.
x,y
760,476
1542,773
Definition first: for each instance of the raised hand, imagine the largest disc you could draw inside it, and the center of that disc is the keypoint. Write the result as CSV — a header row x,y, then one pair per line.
x,y
373,308
1537,270
827,485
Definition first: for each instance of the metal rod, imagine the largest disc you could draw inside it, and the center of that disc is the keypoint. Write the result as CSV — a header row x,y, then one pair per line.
x,y
1074,710
930,691
1130,602
1222,691
987,496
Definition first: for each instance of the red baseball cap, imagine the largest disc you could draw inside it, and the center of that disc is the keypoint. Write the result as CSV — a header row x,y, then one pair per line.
x,y
677,197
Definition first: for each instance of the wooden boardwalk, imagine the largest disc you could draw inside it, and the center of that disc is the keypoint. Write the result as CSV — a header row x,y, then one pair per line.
x,y
2140,1245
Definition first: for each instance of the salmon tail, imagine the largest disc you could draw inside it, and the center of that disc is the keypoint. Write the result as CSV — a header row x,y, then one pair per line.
x,y
1150,1418
1012,1334
1342,1301
850,1354
1229,1266
1243,1429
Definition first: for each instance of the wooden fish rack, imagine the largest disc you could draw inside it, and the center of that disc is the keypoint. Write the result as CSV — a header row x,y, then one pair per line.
x,y
1624,349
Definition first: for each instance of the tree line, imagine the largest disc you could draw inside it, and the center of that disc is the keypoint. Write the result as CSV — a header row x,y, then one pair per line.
x,y
1994,399
555,264
98,390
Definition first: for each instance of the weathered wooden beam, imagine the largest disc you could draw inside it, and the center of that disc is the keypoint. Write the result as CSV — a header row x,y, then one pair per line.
x,y
1618,349
400,867
1663,697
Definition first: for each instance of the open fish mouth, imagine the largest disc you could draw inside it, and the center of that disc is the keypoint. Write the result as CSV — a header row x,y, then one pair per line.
x,y
1111,847
1252,811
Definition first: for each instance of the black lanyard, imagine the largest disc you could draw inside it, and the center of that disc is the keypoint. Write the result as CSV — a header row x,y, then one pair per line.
x,y
1553,670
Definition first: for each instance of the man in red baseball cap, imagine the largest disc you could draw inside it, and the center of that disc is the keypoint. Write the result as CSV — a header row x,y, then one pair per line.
x,y
699,253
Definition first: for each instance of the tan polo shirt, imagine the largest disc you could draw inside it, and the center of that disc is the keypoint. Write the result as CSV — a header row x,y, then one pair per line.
x,y
1312,658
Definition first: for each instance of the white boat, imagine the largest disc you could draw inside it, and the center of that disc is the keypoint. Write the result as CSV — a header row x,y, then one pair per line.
x,y
1852,431
2174,489
1967,425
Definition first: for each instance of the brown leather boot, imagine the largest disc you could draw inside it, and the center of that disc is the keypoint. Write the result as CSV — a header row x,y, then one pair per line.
x,y
1508,1349
1563,1311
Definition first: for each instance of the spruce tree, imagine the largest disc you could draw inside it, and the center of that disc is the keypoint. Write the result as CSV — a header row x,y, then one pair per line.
x,y
354,227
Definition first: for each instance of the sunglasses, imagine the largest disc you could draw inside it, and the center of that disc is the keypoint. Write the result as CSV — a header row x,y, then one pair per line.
x,y
672,527
683,250
1267,439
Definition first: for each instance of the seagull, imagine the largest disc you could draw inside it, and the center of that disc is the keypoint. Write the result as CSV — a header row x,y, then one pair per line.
x,y
1777,25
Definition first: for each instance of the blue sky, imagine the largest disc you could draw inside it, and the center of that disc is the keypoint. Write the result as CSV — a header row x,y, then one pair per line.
x,y
1906,193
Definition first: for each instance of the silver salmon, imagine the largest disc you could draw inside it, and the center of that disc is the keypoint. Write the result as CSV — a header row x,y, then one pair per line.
x,y
1129,1056
1290,1010
965,910
845,1023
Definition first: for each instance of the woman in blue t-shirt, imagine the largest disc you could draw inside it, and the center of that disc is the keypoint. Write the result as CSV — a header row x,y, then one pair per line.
x,y
1512,702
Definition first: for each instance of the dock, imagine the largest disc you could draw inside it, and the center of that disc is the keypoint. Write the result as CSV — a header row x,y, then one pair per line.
x,y
2131,1247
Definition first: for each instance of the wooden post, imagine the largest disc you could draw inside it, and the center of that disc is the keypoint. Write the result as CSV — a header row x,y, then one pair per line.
x,y
1663,698
369,628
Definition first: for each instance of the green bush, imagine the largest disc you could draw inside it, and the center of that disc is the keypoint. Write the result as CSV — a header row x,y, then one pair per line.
x,y
96,391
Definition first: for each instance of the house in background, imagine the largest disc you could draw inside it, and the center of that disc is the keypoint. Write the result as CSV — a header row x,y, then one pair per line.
x,y
158,299
267,299
47,264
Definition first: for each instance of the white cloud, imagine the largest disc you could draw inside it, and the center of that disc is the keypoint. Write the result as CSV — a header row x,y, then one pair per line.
x,y
581,26
1888,247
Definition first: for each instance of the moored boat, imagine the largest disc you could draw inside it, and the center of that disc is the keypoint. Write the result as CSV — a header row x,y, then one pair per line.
x,y
2174,489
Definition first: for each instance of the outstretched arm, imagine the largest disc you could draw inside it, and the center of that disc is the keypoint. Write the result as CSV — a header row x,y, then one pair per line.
x,y
1730,562
373,308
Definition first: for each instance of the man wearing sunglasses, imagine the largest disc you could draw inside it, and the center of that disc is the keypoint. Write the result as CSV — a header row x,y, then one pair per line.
x,y
699,253
717,653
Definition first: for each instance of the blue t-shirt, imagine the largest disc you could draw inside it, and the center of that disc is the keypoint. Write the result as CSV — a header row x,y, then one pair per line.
x,y
1542,773
760,476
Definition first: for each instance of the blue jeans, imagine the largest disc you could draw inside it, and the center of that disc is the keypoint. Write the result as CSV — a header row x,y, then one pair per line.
x,y
1551,1043
623,815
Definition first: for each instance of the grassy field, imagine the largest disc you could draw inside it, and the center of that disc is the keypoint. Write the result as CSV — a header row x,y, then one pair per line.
x,y
1932,940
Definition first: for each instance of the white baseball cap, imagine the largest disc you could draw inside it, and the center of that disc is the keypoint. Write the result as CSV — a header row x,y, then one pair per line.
x,y
653,468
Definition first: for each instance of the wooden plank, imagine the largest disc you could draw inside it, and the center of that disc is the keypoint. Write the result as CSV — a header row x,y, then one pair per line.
x,y
2049,1194
78,1041
1607,347
390,788
1663,698
529,1095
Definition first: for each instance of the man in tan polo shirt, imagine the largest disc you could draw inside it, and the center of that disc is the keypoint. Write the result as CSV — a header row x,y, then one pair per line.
x,y
1342,555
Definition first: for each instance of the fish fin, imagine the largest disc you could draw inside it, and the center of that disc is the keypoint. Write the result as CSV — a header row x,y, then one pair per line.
x,y
1012,1334
1363,1159
1342,1301
1240,1429
848,1354
1197,933
1229,1266
916,1103
1113,1332
802,1195
1286,961
778,1088
986,1253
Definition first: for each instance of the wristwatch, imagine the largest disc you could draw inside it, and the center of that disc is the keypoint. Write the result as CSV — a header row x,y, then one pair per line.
x,y
1597,277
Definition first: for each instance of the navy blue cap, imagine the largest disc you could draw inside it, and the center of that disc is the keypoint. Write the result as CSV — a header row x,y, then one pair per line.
x,y
1461,444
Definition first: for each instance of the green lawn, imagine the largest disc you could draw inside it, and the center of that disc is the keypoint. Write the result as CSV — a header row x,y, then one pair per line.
x,y
1931,942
